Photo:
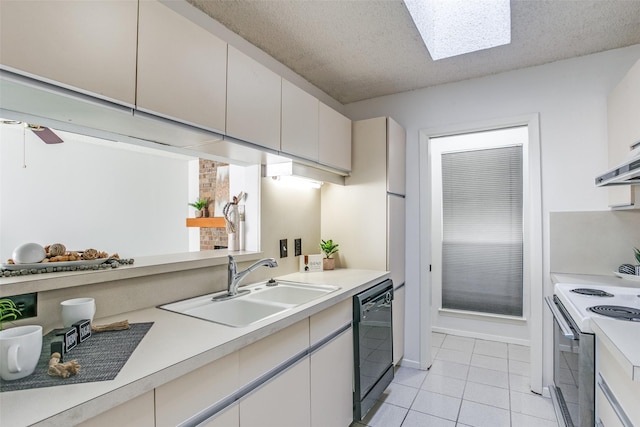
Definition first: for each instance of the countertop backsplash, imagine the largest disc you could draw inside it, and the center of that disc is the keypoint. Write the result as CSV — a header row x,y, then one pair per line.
x,y
593,242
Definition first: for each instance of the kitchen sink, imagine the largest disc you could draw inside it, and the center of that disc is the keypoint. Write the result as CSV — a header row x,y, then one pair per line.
x,y
289,293
264,300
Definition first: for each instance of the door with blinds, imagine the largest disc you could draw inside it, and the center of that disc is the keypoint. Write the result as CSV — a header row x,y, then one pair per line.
x,y
478,190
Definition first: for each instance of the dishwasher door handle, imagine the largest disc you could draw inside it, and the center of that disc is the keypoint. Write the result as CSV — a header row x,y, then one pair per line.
x,y
559,318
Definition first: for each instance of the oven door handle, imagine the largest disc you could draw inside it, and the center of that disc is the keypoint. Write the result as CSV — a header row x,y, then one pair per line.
x,y
564,326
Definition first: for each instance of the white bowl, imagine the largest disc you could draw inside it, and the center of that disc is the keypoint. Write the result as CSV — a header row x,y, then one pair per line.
x,y
28,253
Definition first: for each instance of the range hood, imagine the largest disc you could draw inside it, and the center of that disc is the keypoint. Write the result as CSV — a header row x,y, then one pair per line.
x,y
627,173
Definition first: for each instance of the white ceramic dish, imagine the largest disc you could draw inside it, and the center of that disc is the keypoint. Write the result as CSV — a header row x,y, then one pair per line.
x,y
42,265
28,253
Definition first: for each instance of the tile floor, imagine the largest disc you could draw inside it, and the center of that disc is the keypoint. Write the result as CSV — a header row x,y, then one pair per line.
x,y
472,382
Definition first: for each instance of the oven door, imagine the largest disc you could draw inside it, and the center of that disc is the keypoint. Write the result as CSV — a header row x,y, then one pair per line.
x,y
573,369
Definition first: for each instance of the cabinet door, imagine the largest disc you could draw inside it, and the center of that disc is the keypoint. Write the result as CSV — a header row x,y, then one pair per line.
x,y
618,378
332,383
334,139
284,401
182,71
299,122
605,413
396,157
398,325
186,396
623,120
136,412
254,100
86,45
230,417
264,355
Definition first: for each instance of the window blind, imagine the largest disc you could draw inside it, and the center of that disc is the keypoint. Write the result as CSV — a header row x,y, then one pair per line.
x,y
482,220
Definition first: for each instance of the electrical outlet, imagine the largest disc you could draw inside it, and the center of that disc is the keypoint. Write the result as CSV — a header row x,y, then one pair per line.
x,y
283,248
297,247
27,304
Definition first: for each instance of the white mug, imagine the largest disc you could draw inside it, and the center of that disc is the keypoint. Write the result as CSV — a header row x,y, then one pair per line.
x,y
20,349
77,309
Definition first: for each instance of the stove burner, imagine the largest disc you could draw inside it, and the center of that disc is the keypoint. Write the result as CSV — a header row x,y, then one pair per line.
x,y
617,312
592,292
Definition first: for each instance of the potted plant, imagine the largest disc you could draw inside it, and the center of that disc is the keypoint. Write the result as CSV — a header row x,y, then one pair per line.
x,y
329,248
8,311
200,205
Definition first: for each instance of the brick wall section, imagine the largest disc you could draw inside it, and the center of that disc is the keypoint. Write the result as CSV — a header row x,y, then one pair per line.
x,y
210,238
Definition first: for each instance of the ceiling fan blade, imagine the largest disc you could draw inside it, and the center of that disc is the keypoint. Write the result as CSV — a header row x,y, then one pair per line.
x,y
46,134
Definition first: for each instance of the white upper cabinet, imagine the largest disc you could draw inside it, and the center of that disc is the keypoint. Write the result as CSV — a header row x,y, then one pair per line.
x,y
85,45
623,115
334,139
396,157
254,98
182,69
299,122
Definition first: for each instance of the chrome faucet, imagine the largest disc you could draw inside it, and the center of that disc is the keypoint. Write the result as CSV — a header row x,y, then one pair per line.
x,y
234,277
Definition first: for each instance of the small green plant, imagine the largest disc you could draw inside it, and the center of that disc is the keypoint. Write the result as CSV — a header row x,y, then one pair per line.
x,y
637,253
8,311
329,248
200,204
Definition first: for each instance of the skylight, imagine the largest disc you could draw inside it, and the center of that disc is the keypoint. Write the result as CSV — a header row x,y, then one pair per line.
x,y
454,27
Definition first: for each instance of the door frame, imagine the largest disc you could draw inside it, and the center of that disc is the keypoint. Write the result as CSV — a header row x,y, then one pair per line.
x,y
532,122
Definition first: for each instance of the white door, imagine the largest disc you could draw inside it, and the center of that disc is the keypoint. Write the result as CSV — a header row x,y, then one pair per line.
x,y
477,188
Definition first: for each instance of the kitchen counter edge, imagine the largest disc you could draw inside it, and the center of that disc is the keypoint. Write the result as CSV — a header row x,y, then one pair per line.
x,y
151,366
142,266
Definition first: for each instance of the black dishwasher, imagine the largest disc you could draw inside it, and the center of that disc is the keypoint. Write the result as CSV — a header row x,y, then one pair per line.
x,y
372,346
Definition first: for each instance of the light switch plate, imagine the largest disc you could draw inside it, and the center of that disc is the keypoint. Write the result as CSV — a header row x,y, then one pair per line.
x,y
283,248
297,243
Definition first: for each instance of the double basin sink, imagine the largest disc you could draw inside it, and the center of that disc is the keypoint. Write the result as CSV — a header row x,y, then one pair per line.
x,y
264,299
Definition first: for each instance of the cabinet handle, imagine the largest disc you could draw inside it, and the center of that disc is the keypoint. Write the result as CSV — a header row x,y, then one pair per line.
x,y
611,398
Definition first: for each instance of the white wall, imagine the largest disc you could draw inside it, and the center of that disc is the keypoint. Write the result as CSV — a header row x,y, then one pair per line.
x,y
289,212
84,193
570,97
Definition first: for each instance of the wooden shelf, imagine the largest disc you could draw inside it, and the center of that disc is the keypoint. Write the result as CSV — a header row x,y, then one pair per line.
x,y
216,222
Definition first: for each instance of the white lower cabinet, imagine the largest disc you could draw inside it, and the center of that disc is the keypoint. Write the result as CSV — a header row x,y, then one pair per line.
x,y
266,354
332,367
137,412
299,376
230,417
606,415
283,401
332,383
186,396
616,392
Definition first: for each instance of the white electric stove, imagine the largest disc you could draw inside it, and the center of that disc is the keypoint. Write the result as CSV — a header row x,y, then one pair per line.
x,y
611,301
572,307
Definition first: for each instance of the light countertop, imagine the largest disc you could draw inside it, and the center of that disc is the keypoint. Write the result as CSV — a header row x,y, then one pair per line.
x,y
591,279
167,352
142,266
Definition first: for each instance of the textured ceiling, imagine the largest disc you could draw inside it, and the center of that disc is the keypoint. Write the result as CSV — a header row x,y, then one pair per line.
x,y
360,49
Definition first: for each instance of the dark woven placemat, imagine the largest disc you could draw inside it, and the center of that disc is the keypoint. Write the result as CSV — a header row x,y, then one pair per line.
x,y
100,357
